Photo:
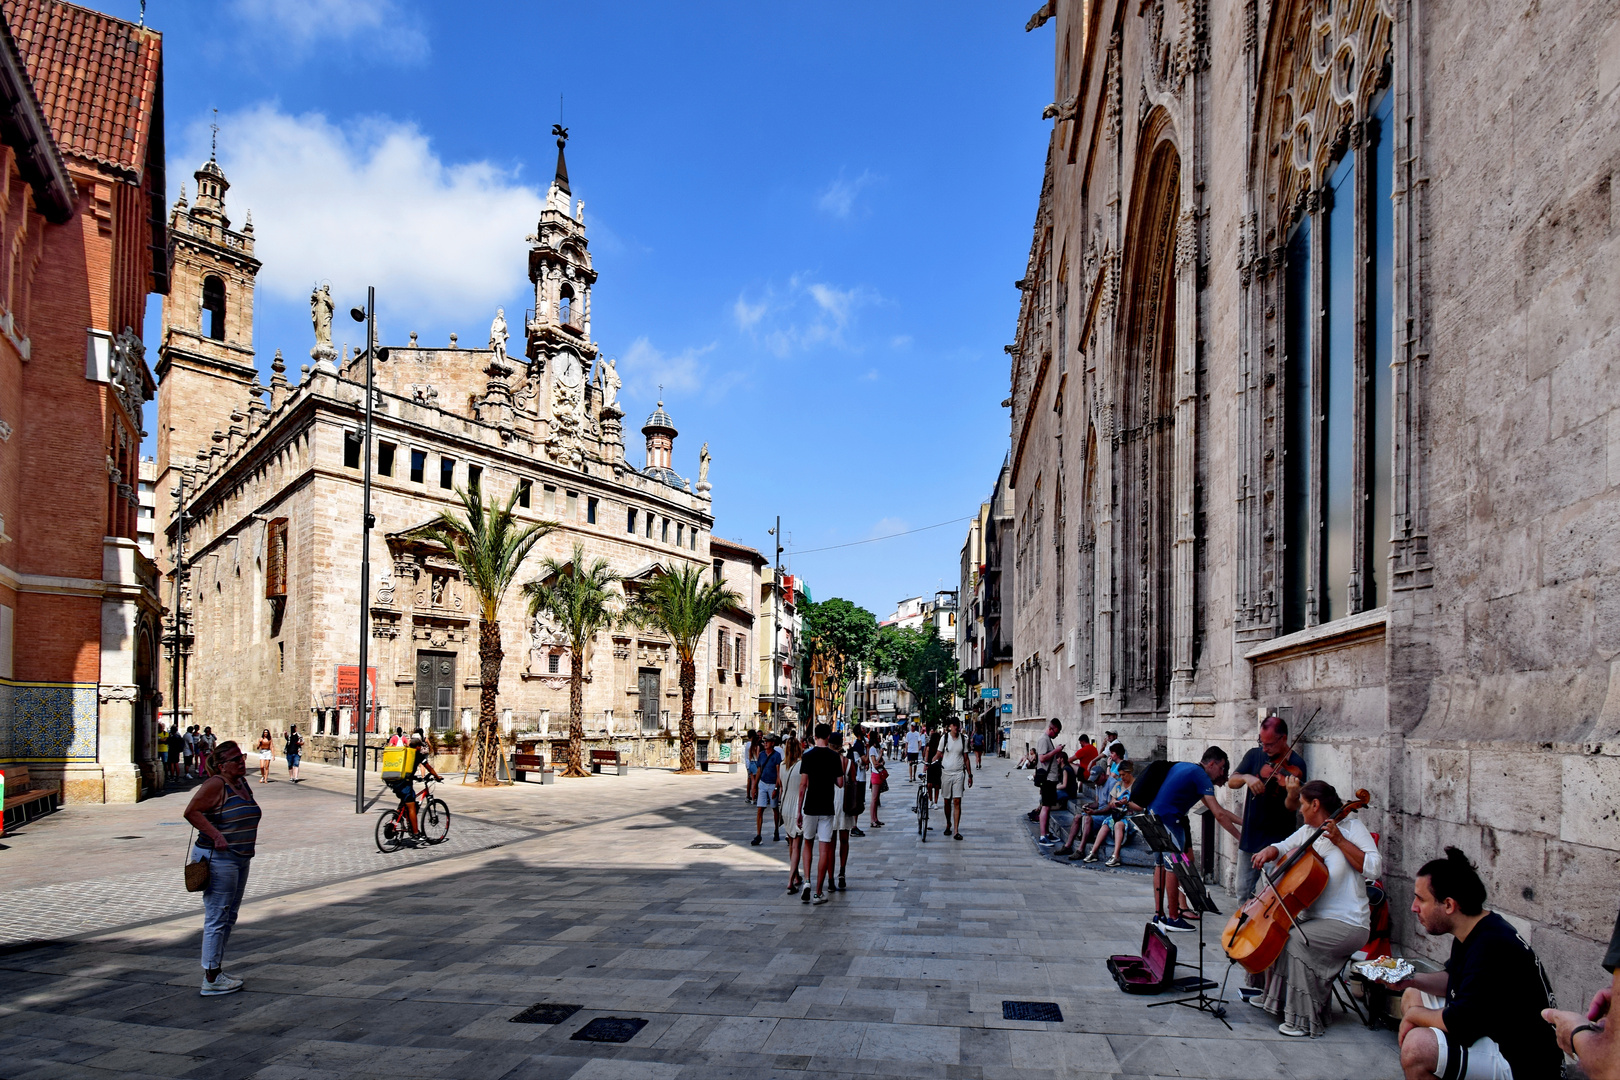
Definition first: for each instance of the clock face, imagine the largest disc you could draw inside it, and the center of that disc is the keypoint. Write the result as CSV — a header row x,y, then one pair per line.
x,y
569,371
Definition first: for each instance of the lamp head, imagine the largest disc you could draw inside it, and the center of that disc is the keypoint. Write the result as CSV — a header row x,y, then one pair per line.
x,y
357,314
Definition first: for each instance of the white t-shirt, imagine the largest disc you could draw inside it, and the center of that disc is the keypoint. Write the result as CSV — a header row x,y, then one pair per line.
x,y
953,753
874,757
914,741
1345,897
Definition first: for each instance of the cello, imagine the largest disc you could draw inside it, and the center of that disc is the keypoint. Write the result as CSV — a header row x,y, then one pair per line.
x,y
1256,934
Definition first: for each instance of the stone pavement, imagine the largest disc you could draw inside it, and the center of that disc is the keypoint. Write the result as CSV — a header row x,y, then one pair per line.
x,y
611,895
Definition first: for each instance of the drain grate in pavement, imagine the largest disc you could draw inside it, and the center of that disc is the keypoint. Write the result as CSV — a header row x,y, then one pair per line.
x,y
706,847
126,838
545,1013
610,1029
1032,1010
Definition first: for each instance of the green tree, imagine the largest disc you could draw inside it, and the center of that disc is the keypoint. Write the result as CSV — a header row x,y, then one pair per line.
x,y
839,635
681,605
892,649
929,669
489,546
581,600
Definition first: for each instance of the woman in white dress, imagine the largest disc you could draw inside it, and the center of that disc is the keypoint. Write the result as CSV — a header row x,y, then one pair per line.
x,y
793,753
1299,984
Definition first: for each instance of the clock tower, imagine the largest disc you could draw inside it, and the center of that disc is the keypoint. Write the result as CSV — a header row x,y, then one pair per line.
x,y
559,344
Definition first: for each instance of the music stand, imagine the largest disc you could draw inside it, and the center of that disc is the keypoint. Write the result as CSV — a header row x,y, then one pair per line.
x,y
1160,842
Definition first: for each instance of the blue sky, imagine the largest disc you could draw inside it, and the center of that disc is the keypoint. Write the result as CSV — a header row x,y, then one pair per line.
x,y
807,219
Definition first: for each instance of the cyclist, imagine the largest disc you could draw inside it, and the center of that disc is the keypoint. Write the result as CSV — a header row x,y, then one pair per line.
x,y
405,786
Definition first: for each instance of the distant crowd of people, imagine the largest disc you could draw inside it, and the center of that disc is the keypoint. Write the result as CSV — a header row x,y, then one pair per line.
x,y
185,752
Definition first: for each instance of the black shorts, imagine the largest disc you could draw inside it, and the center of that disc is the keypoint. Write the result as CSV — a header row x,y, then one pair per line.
x,y
405,789
936,773
1049,794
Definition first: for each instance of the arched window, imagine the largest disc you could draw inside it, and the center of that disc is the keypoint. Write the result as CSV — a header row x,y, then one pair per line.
x,y
565,306
213,306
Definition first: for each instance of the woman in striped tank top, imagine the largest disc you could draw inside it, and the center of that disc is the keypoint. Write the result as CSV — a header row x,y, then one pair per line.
x,y
227,821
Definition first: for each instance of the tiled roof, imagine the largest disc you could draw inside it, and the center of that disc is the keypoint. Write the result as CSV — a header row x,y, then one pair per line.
x,y
97,78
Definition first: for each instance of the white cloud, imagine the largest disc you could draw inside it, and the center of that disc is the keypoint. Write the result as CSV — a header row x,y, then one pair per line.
x,y
871,376
648,370
839,198
746,314
382,26
804,314
900,342
373,204
887,527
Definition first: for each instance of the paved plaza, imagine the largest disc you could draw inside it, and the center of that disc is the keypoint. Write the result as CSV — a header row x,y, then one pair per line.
x,y
630,897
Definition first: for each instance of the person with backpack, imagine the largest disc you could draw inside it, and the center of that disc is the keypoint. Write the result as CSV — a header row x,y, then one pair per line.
x,y
1171,792
822,776
956,774
293,746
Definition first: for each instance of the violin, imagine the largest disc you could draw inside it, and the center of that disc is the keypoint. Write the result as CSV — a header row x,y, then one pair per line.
x,y
1256,934
1278,767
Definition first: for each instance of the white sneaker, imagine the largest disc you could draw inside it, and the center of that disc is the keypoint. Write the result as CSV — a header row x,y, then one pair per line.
x,y
220,984
819,898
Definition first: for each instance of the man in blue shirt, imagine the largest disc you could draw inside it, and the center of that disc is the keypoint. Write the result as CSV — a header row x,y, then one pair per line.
x,y
1184,786
766,771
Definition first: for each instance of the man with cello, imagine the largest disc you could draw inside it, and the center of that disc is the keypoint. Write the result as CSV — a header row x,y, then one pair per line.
x,y
1317,905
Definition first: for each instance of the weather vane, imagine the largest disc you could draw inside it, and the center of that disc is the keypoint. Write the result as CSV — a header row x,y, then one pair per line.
x,y
213,148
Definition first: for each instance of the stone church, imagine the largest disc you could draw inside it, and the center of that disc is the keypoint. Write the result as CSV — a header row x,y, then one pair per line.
x,y
269,480
1312,411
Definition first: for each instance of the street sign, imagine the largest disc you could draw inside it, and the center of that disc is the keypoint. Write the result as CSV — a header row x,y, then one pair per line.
x,y
1007,708
989,692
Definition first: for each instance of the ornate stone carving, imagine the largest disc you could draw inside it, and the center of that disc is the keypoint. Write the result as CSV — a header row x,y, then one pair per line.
x,y
498,334
1186,242
320,314
424,394
128,363
110,692
1114,90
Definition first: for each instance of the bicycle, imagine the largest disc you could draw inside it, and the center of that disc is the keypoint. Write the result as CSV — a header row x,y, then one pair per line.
x,y
922,812
432,815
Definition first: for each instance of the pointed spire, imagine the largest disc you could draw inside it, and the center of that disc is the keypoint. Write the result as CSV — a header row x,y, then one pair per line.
x,y
562,162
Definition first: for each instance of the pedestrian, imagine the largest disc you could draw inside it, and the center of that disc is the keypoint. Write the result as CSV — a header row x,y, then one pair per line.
x,y
857,784
751,762
954,766
267,749
934,772
208,741
822,772
227,821
1046,752
766,774
188,743
914,743
1272,773
877,777
294,748
397,738
793,755
846,810
978,749
1184,785
174,750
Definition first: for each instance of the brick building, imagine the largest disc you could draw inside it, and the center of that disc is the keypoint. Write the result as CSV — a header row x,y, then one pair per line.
x,y
1312,410
81,223
272,478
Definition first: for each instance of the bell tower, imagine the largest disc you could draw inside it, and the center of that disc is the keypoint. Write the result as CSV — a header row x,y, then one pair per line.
x,y
205,359
560,268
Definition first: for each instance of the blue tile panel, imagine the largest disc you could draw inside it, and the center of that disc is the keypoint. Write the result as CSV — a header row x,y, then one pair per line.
x,y
48,721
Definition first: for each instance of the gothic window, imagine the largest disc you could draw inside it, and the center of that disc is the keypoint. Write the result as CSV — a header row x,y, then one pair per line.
x,y
720,661
1063,317
213,307
1338,334
1057,576
525,493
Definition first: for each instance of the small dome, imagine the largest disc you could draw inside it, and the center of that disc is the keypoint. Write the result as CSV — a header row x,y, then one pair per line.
x,y
666,476
659,421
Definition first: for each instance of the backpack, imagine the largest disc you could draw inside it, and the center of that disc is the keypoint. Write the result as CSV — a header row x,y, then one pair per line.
x,y
1148,784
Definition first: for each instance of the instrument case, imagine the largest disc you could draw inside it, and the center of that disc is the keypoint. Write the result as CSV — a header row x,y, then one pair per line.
x,y
1150,973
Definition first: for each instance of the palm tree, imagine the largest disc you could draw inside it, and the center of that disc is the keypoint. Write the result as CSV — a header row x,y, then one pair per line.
x,y
681,605
580,600
489,546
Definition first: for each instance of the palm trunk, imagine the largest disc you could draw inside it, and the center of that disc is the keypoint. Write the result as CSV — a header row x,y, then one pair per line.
x,y
688,728
490,655
576,714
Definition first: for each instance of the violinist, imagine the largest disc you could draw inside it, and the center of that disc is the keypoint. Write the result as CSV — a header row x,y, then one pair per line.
x,y
1299,984
1267,771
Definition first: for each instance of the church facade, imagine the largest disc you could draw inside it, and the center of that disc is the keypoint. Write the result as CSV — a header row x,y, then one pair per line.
x,y
1311,412
271,478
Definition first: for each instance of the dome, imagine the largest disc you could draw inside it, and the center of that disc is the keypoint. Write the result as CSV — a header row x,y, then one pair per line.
x,y
666,476
659,422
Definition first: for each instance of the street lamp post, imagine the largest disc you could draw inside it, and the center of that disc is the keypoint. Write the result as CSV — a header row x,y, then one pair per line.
x,y
179,578
367,522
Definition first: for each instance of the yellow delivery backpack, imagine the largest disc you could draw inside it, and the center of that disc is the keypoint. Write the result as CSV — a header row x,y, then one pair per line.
x,y
398,762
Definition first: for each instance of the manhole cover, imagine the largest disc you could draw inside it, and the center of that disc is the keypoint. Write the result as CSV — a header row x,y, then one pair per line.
x,y
610,1029
545,1013
706,847
1032,1010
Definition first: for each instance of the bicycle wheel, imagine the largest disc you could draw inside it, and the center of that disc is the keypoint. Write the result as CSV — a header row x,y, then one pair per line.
x,y
435,821
390,831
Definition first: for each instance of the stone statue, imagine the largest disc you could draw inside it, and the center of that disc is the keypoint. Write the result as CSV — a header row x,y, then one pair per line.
x,y
703,464
497,333
320,313
610,386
